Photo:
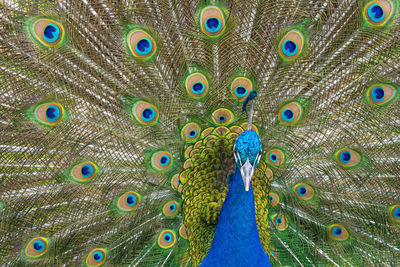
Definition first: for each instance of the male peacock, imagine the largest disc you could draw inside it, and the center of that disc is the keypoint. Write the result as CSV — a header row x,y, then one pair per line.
x,y
188,133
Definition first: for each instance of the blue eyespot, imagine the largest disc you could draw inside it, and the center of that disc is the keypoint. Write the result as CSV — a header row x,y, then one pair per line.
x,y
52,113
144,46
39,245
397,213
337,231
167,237
271,198
164,160
97,256
172,207
345,157
87,170
376,13
240,91
131,200
51,33
213,24
289,48
273,157
148,114
221,118
302,190
378,94
192,133
288,115
198,88
278,221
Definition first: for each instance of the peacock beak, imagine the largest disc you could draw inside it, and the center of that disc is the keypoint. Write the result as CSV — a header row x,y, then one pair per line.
x,y
247,171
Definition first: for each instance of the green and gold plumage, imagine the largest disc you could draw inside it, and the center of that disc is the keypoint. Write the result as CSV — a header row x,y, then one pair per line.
x,y
118,120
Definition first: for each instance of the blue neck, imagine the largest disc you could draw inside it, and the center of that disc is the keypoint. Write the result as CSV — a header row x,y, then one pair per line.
x,y
236,239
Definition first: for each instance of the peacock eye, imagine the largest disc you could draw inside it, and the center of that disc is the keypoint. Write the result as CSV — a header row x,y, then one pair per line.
x,y
145,113
280,222
37,247
48,32
49,114
222,116
84,172
141,44
171,208
290,114
129,201
291,45
161,160
273,199
241,88
303,191
212,21
338,232
166,239
96,257
347,157
378,12
395,213
380,94
196,86
191,132
275,157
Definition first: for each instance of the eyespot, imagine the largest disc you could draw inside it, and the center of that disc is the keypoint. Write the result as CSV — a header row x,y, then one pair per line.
x,y
275,157
280,222
191,132
145,113
273,199
84,172
241,88
171,208
48,32
347,157
166,239
196,85
338,232
290,114
380,94
141,44
37,247
161,160
303,191
377,13
395,212
222,116
212,21
175,181
269,174
182,231
96,257
291,45
49,114
128,201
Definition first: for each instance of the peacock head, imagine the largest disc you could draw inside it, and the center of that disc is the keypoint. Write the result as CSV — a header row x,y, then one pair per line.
x,y
247,151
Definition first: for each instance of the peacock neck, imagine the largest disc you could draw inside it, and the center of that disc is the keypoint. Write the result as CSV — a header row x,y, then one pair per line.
x,y
236,239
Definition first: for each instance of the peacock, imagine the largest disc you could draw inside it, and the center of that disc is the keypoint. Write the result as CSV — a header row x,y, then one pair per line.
x,y
199,133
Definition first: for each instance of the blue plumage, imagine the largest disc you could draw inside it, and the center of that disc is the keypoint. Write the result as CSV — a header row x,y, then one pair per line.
x,y
236,240
243,248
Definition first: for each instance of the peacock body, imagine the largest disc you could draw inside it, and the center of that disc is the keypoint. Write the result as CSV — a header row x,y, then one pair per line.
x,y
199,133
